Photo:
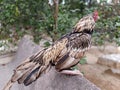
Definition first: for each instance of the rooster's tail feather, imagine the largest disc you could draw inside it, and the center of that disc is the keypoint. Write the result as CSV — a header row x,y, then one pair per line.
x,y
28,72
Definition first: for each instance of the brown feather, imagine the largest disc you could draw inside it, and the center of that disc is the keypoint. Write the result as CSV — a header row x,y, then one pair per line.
x,y
86,22
64,53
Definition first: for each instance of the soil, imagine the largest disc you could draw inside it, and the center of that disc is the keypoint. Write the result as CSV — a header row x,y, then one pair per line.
x,y
100,75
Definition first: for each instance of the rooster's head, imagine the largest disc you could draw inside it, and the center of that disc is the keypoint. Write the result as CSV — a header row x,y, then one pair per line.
x,y
87,23
95,15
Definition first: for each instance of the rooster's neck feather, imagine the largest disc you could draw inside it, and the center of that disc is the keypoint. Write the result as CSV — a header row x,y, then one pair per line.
x,y
86,23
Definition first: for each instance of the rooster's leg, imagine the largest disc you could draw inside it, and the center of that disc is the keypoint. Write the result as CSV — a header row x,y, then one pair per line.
x,y
71,72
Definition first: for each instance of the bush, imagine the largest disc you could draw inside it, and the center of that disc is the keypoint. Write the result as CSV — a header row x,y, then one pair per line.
x,y
35,17
108,27
23,16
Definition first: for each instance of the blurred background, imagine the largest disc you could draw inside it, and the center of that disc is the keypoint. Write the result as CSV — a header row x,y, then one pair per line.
x,y
19,17
46,21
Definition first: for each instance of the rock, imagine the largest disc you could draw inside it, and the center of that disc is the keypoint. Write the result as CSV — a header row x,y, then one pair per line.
x,y
112,61
52,80
55,81
26,48
4,59
101,76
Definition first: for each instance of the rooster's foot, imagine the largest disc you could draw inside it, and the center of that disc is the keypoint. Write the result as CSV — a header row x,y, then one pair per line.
x,y
71,72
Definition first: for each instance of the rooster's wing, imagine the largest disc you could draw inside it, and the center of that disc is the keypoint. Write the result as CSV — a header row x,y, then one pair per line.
x,y
77,44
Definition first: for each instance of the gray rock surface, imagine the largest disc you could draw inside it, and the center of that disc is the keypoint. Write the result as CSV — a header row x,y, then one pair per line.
x,y
110,60
50,81
26,48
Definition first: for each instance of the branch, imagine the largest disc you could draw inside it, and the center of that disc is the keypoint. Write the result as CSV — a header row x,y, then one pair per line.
x,y
56,3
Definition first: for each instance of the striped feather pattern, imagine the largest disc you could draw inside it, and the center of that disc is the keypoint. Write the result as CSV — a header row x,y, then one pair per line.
x,y
64,54
86,22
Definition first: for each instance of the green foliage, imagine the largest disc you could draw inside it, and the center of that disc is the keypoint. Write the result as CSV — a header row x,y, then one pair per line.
x,y
35,17
107,28
83,61
75,67
19,17
47,44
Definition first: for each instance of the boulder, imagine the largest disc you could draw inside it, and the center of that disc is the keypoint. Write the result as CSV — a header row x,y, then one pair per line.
x,y
52,80
26,48
112,61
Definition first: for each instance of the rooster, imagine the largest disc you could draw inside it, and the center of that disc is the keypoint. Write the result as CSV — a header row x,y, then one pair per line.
x,y
63,54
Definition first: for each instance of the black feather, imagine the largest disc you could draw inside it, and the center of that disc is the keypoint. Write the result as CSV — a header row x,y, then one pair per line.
x,y
26,81
63,59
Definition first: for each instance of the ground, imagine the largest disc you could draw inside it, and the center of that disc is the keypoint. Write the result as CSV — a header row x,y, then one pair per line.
x,y
98,74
